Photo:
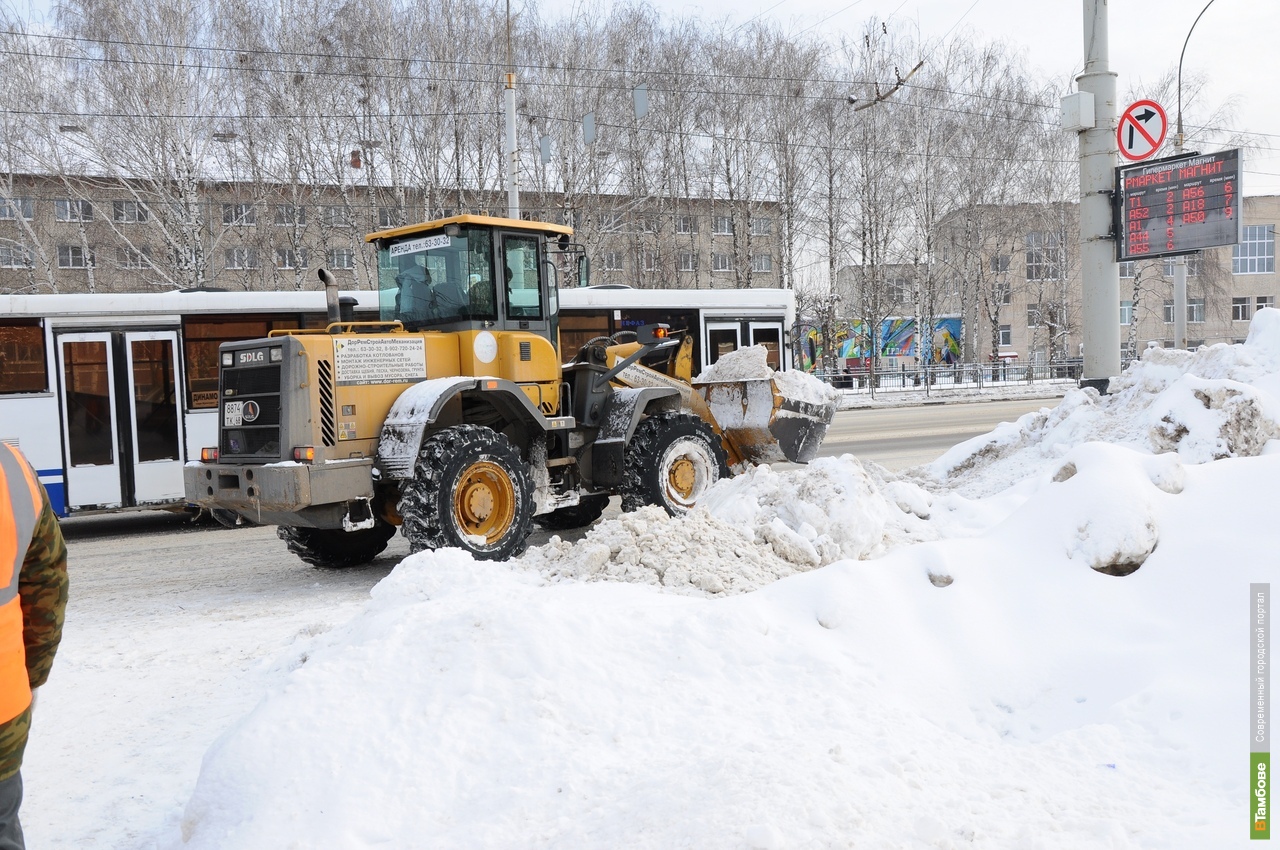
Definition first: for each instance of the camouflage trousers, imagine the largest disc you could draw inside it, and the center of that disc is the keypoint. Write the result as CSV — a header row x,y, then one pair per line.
x,y
10,800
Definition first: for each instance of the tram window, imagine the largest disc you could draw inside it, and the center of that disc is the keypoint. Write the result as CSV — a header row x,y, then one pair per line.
x,y
22,353
87,384
154,401
201,336
576,330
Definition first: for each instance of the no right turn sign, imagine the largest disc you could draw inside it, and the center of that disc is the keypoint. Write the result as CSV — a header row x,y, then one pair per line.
x,y
1141,129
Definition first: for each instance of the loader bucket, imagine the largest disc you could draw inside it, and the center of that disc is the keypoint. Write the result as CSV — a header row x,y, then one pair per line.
x,y
761,425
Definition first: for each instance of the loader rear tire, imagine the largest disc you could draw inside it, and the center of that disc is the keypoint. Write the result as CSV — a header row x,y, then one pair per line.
x,y
672,459
471,490
335,548
587,511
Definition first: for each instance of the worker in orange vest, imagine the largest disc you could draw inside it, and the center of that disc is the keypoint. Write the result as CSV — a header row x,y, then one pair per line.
x,y
33,601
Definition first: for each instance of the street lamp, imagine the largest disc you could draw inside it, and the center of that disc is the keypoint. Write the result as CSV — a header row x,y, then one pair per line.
x,y
1177,140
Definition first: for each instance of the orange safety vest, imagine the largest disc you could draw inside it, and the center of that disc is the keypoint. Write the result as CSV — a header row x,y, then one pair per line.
x,y
20,505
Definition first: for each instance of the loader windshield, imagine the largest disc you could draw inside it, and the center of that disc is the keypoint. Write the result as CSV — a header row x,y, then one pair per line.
x,y
437,279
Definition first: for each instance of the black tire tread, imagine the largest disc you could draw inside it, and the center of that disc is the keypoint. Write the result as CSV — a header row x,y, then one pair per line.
x,y
426,510
335,548
639,482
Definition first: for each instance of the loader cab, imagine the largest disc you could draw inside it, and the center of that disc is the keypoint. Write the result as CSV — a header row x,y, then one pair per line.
x,y
470,273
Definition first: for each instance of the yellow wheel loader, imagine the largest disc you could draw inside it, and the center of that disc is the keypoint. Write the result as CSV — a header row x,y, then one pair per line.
x,y
453,417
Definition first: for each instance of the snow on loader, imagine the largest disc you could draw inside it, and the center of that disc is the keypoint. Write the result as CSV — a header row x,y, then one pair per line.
x,y
453,419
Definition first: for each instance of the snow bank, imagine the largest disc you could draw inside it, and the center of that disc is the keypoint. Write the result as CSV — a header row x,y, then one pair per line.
x,y
1028,701
1045,652
1218,402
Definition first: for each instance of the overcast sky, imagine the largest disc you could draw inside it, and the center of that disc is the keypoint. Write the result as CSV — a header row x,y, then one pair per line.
x,y
1234,44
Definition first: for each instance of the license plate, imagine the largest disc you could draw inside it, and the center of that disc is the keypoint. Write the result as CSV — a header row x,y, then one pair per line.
x,y
232,414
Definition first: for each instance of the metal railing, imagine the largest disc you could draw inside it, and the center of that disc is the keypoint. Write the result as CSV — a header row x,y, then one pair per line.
x,y
954,376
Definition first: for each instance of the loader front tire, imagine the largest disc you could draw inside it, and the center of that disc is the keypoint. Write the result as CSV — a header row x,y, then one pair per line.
x,y
335,548
471,490
588,510
672,459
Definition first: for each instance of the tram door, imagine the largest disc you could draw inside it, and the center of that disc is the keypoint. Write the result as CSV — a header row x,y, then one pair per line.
x,y
120,398
722,338
769,334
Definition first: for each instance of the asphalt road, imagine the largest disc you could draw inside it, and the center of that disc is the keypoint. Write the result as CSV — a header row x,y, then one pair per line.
x,y
900,437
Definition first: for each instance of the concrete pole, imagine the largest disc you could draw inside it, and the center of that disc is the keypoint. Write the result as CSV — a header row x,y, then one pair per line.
x,y
513,153
1099,273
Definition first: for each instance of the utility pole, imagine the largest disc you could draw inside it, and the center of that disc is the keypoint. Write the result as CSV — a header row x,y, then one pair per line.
x,y
512,152
1099,273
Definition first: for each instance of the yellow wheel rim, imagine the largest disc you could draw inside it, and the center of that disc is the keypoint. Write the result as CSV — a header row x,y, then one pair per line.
x,y
484,502
682,477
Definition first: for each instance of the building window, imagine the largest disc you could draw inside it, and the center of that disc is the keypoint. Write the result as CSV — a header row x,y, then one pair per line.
x,y
1000,262
74,257
649,261
1046,256
1004,293
1265,301
1126,312
898,290
239,214
14,257
688,261
240,258
72,210
334,216
1193,265
12,209
761,263
342,258
1126,269
1006,334
612,261
291,258
1195,309
1168,312
129,212
1240,309
133,258
761,226
685,224
647,224
388,217
1034,316
1256,253
722,225
722,262
290,215
610,222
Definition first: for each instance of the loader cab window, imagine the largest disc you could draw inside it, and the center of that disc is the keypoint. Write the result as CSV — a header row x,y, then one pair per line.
x,y
425,281
520,271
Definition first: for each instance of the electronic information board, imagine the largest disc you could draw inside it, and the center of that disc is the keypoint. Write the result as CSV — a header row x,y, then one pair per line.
x,y
1177,205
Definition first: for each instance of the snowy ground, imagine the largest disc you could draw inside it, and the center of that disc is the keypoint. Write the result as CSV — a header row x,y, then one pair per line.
x,y
838,656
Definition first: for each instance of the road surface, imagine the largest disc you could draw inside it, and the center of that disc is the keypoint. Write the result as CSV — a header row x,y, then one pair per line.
x,y
901,437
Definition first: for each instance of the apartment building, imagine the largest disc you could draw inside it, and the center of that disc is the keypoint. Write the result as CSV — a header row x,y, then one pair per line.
x,y
83,235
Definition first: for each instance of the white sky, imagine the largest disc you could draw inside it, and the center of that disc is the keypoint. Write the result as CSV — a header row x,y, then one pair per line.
x,y
1233,45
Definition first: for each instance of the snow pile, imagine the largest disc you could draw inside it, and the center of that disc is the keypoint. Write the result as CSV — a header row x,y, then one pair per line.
x,y
749,531
1056,661
752,364
743,364
1221,401
1019,699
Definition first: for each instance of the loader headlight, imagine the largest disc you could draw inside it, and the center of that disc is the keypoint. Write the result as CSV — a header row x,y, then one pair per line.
x,y
277,354
227,358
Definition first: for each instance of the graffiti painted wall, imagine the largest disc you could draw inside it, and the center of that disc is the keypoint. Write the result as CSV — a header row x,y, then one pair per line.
x,y
851,340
